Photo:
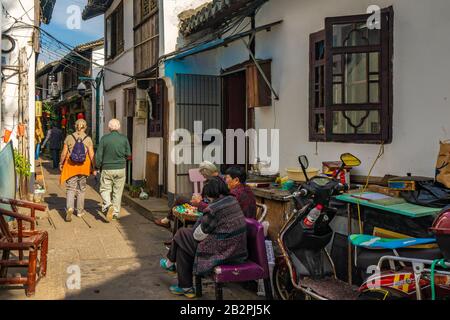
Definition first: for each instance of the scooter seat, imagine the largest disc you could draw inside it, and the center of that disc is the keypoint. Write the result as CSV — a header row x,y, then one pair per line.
x,y
330,288
373,242
371,257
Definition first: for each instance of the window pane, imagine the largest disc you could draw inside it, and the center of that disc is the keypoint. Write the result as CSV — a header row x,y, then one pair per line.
x,y
320,50
356,78
319,124
108,37
337,94
337,64
374,92
374,62
351,122
354,34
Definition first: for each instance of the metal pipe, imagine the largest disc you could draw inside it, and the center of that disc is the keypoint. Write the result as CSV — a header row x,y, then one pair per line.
x,y
410,260
277,97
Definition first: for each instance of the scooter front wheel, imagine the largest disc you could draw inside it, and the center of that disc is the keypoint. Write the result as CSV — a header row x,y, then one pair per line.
x,y
282,282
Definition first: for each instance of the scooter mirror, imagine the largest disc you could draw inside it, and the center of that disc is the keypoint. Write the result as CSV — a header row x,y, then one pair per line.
x,y
350,160
304,163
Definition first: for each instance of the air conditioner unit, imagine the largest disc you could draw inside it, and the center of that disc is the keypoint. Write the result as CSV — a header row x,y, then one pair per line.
x,y
141,109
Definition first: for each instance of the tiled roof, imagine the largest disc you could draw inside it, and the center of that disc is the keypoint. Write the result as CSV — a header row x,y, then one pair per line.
x,y
95,8
72,56
216,14
47,68
89,45
47,10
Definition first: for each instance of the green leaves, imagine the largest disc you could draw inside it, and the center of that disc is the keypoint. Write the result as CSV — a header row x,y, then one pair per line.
x,y
23,166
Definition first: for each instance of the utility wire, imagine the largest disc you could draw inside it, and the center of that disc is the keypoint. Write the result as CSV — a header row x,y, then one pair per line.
x,y
25,10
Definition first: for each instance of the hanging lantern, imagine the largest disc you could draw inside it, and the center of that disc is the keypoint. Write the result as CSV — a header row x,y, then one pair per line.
x,y
64,122
80,116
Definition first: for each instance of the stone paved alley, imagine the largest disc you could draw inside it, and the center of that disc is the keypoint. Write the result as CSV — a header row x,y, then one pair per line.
x,y
118,260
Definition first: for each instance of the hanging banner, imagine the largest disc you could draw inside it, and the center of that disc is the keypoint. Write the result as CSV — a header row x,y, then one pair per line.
x,y
38,108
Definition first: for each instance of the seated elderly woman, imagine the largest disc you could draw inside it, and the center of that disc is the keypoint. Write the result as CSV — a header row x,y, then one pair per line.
x,y
220,237
208,170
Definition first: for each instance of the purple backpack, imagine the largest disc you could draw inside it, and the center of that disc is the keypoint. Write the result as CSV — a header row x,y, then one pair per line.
x,y
78,154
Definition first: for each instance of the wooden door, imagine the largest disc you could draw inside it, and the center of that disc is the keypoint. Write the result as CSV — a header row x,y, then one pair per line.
x,y
235,110
152,174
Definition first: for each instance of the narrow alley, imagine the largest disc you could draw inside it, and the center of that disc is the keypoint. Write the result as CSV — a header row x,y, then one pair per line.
x,y
117,260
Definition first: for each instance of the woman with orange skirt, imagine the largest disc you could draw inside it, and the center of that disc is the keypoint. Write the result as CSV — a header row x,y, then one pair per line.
x,y
74,173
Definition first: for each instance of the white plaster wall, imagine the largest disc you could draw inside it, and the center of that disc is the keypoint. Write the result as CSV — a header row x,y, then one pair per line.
x,y
10,91
139,143
421,82
98,59
118,96
421,109
124,62
171,10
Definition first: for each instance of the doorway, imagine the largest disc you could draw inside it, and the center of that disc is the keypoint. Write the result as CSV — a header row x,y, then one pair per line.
x,y
235,113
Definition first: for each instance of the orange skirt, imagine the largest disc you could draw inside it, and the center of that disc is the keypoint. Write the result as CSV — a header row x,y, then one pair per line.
x,y
71,169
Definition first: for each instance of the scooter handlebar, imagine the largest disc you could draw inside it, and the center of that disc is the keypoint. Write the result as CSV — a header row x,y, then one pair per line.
x,y
300,193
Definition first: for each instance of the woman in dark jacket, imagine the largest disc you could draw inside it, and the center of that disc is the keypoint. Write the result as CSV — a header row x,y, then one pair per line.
x,y
220,237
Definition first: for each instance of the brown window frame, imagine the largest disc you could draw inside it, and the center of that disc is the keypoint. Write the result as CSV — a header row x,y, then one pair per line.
x,y
384,107
116,43
155,127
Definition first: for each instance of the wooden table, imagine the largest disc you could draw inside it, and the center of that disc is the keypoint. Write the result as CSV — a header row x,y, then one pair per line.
x,y
278,209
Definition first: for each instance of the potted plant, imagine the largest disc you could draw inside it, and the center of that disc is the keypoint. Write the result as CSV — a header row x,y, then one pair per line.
x,y
134,191
23,169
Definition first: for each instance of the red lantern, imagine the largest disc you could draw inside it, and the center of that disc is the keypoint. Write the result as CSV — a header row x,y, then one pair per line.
x,y
63,122
80,116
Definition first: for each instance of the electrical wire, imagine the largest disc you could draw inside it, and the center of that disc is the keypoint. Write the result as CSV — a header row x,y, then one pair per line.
x,y
25,10
380,154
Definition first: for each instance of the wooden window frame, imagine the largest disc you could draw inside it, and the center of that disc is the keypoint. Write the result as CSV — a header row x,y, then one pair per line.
x,y
384,107
151,10
155,127
116,44
316,107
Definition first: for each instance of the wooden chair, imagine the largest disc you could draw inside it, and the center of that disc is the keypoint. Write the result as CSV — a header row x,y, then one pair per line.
x,y
22,241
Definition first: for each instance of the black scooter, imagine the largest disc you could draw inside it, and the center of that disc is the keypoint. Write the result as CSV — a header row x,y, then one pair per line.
x,y
305,269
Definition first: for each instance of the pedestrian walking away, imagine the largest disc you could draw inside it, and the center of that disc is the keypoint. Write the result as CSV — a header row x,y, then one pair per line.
x,y
54,139
111,158
77,163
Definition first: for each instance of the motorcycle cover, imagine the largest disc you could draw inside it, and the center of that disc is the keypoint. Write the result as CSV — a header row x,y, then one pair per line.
x,y
7,175
372,242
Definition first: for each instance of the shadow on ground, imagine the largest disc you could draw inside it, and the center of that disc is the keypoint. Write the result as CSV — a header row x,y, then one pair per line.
x,y
117,260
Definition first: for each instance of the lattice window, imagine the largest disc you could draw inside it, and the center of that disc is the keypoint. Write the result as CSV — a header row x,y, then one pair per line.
x,y
148,6
351,80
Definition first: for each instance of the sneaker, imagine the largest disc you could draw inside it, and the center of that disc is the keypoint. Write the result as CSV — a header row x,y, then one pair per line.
x,y
110,213
163,264
188,293
79,215
69,215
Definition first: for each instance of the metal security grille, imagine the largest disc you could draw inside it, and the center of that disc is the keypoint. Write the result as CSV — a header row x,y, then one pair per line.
x,y
198,98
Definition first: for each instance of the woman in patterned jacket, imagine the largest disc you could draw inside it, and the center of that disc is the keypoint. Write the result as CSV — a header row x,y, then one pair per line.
x,y
219,238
